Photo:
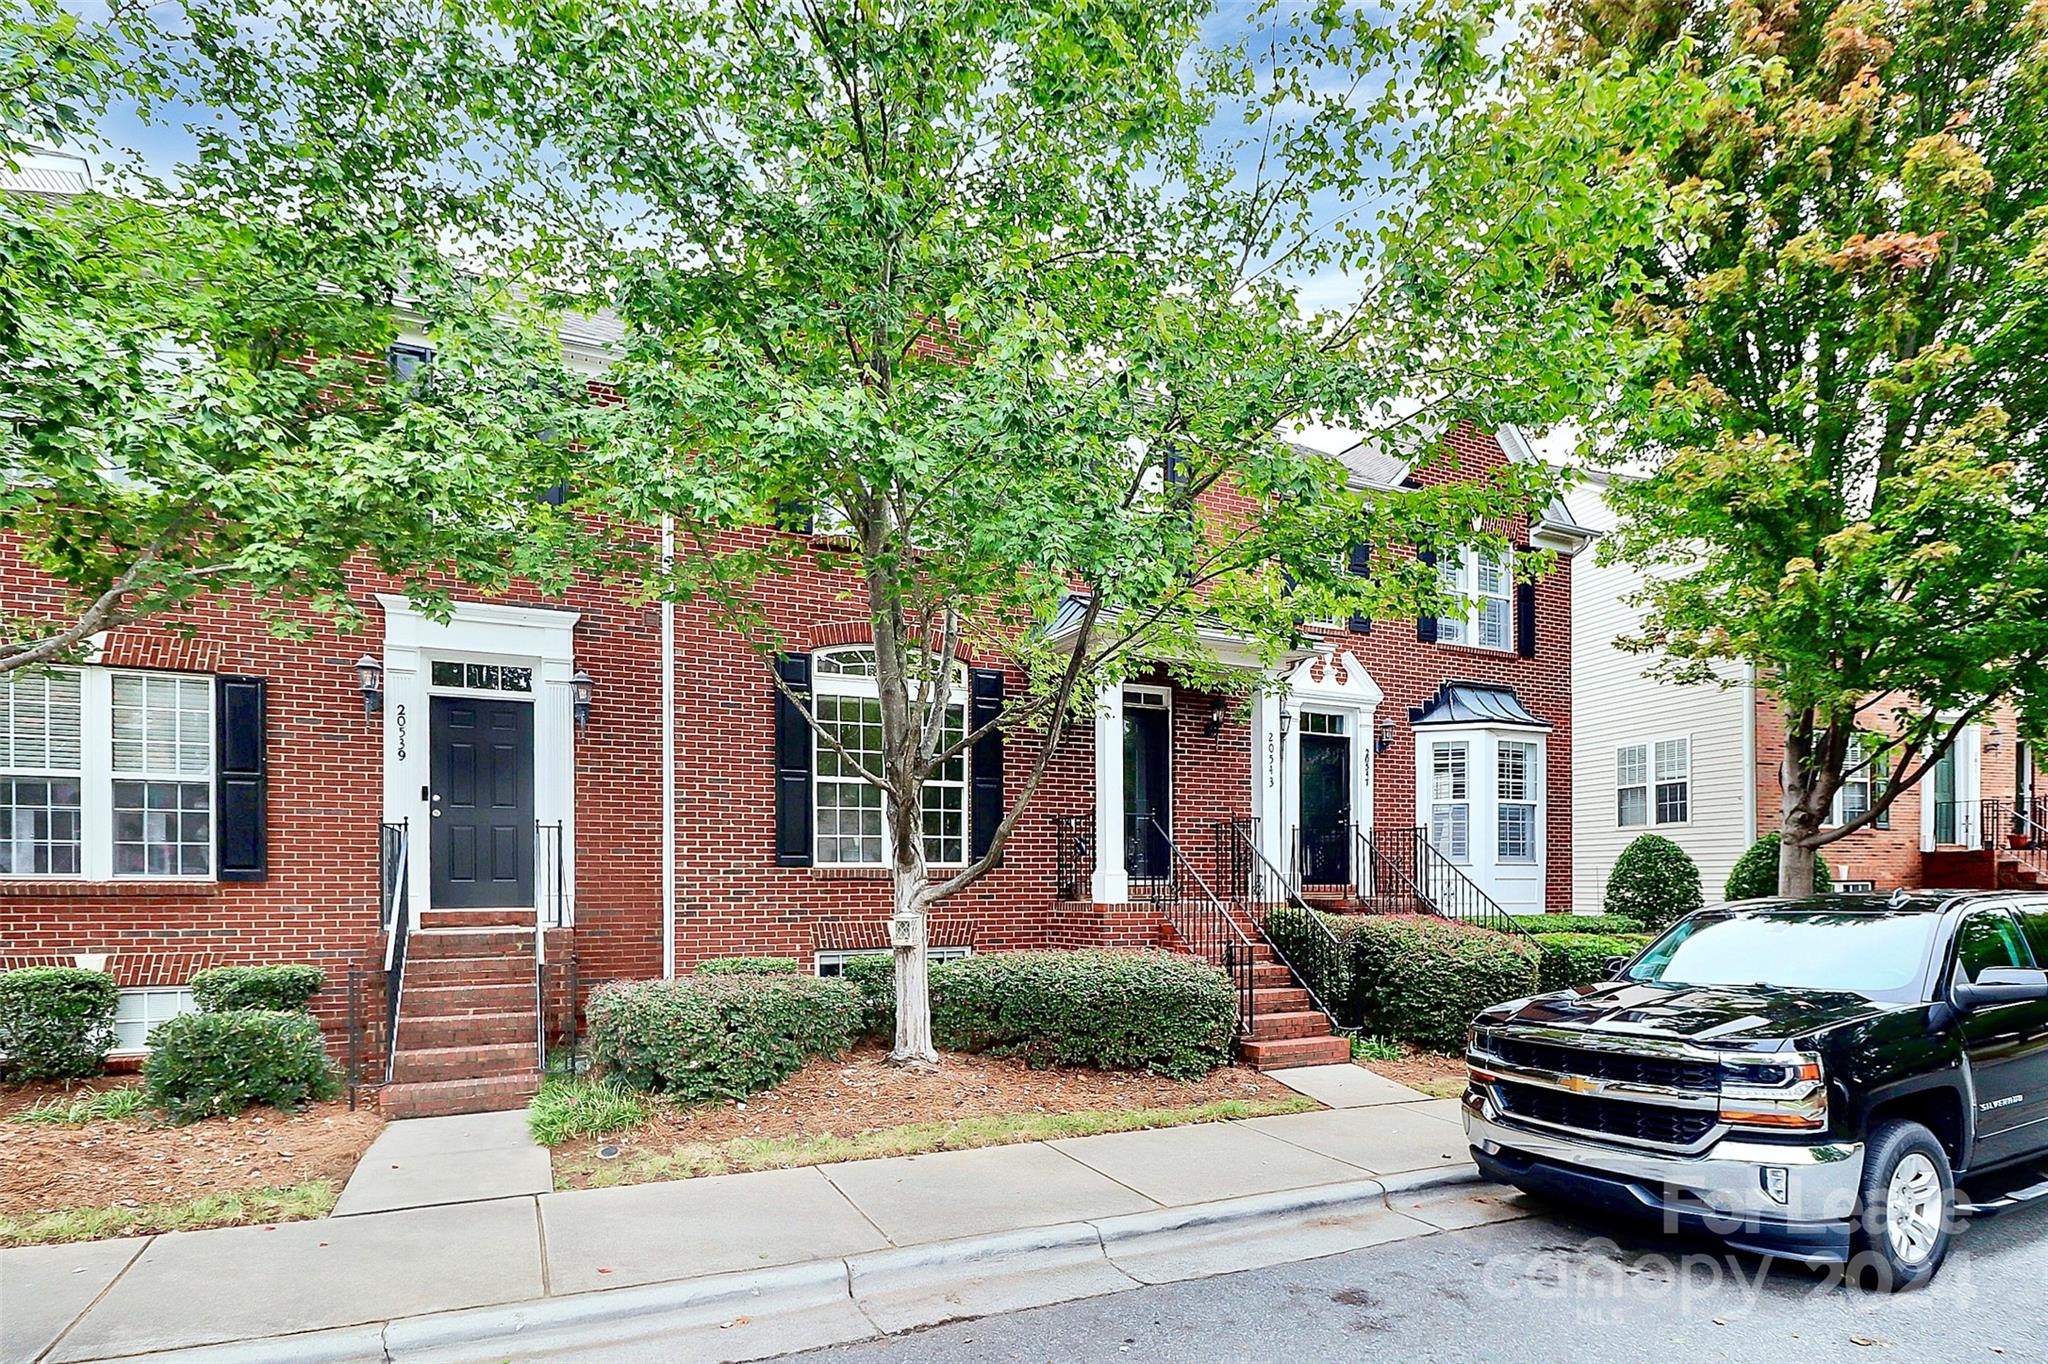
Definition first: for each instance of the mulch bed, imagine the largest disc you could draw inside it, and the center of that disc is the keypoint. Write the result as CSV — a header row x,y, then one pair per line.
x,y
48,1166
1431,1072
863,1092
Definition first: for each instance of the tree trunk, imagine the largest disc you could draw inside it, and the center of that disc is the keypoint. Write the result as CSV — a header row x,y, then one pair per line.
x,y
913,968
1798,820
1795,865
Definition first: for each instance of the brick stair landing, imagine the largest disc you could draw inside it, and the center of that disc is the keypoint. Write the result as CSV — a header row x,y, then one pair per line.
x,y
466,1025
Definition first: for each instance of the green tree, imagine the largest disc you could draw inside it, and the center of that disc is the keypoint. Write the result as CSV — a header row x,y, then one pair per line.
x,y
1755,873
1005,297
1843,451
193,391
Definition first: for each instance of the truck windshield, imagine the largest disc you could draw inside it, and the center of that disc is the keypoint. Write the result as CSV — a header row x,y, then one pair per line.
x,y
1878,955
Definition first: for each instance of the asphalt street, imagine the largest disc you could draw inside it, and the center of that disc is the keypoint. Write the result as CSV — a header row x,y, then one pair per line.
x,y
1540,1291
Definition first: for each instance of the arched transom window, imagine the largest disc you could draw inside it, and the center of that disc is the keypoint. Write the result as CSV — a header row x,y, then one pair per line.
x,y
850,829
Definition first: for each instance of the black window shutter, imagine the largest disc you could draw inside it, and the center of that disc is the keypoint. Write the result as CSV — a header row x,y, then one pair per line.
x,y
242,777
792,764
796,517
1361,567
1525,619
1425,626
985,808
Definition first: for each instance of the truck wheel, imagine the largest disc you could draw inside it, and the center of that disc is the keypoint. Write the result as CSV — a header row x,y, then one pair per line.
x,y
1905,1217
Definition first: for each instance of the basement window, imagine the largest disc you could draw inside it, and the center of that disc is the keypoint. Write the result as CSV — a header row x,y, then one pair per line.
x,y
833,963
142,1009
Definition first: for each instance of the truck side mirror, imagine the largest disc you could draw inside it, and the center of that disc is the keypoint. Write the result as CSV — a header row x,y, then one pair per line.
x,y
2000,985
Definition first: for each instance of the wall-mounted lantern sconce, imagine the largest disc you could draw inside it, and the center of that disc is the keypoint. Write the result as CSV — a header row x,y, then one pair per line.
x,y
1386,738
1991,738
1286,722
582,688
370,677
1217,710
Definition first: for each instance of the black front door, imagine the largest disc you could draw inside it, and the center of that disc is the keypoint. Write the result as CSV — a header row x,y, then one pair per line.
x,y
1147,774
481,803
1325,809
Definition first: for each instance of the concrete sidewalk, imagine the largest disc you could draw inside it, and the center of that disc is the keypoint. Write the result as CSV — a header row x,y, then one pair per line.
x,y
740,1266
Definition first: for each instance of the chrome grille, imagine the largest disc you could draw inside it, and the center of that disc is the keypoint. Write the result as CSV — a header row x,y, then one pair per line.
x,y
1654,1123
1624,1067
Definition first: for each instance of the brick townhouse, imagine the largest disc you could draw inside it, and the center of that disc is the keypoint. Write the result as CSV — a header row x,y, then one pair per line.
x,y
498,782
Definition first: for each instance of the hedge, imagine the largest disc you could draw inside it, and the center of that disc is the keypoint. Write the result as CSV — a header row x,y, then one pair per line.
x,y
1545,924
1574,959
1164,1013
56,1022
874,978
1416,977
747,966
223,988
1655,881
214,1064
1755,874
719,1036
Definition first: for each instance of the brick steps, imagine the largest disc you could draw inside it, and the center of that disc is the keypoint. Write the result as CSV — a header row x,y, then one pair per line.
x,y
450,1029
441,1001
1278,1027
1279,1053
417,1063
429,971
439,1098
431,919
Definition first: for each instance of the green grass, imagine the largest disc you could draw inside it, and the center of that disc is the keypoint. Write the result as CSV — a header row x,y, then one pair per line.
x,y
85,1106
289,1203
566,1109
781,1153
1376,1049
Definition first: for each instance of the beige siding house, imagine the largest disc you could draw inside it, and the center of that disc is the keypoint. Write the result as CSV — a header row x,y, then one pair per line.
x,y
1648,756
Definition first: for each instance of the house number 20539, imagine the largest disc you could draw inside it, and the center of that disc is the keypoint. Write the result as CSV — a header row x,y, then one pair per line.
x,y
398,723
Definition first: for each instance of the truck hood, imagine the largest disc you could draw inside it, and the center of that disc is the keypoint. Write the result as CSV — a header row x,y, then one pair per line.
x,y
1737,1018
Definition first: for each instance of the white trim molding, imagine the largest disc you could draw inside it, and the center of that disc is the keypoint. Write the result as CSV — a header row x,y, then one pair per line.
x,y
1333,682
529,636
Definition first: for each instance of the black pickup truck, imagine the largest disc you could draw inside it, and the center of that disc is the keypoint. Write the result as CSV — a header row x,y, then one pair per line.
x,y
1802,1077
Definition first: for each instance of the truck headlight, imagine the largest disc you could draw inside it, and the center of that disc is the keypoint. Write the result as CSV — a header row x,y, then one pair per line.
x,y
1782,1092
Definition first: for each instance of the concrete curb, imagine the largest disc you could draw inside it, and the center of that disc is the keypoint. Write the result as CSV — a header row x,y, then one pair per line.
x,y
757,1313
900,1290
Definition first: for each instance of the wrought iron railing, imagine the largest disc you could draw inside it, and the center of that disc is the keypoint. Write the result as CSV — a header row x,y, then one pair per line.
x,y
354,1071
1386,881
1268,899
1418,867
1962,823
2021,830
1073,858
550,910
1322,857
562,1040
395,859
1203,924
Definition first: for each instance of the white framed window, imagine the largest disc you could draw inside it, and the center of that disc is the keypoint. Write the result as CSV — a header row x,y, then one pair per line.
x,y
1450,810
1674,780
1486,582
451,674
833,963
140,1010
1517,784
850,829
106,773
42,776
1861,784
1632,786
1323,722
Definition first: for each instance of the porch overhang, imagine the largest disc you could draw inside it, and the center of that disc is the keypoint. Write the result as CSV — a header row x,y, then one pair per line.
x,y
1226,647
1488,705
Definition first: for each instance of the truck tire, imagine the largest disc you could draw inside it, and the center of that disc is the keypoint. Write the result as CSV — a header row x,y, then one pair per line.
x,y
1905,1216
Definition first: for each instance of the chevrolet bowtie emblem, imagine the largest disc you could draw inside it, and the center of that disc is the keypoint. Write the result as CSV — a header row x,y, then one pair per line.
x,y
1579,1084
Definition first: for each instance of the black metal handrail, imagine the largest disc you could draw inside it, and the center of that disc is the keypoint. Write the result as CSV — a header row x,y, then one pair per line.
x,y
1385,884
550,910
1073,858
1440,887
395,858
354,1070
1203,924
2026,830
1302,941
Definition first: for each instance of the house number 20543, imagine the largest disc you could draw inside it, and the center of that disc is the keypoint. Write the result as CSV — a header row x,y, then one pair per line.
x,y
398,723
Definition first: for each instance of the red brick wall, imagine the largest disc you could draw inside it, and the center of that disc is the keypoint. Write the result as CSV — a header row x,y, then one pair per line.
x,y
319,903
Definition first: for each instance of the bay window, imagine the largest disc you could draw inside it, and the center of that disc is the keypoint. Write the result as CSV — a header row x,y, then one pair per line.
x,y
1450,811
1516,792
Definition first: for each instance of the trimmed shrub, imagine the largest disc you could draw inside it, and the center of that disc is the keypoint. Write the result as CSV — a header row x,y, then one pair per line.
x,y
874,977
747,966
223,988
1542,925
1653,881
1574,959
56,1022
1755,874
1300,939
718,1037
1425,979
217,1064
1168,1014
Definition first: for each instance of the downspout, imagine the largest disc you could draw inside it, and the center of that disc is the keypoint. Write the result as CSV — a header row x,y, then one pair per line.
x,y
668,758
1749,834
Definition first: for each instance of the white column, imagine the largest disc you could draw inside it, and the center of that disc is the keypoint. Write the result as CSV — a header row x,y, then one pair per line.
x,y
554,766
1269,775
1112,882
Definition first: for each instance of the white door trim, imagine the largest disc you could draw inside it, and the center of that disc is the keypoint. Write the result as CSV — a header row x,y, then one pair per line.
x,y
525,636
